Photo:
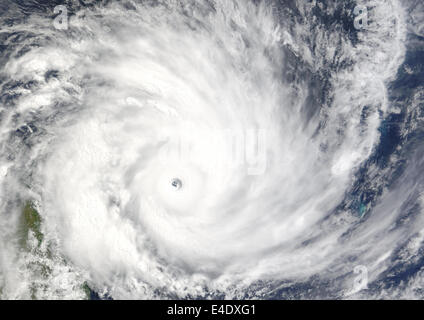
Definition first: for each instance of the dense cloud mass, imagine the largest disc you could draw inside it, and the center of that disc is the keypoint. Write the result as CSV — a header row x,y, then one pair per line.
x,y
211,148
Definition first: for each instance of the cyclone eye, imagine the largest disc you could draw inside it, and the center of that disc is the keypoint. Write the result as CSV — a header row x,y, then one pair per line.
x,y
176,183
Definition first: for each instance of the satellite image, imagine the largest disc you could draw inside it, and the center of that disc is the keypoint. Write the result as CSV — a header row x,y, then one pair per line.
x,y
211,149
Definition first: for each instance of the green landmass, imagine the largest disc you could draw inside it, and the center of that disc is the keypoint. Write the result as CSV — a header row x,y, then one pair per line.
x,y
86,290
30,222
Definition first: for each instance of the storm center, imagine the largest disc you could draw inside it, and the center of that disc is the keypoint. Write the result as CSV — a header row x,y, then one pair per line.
x,y
176,183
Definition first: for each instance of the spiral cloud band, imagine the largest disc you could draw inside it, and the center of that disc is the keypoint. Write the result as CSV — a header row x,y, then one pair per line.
x,y
225,148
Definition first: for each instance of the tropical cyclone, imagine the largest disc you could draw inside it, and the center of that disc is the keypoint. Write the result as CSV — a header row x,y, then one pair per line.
x,y
100,117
